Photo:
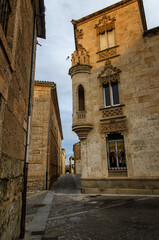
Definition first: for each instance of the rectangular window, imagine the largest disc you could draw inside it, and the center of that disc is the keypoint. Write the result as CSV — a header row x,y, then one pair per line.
x,y
115,93
116,154
111,94
5,10
107,95
107,40
111,42
103,41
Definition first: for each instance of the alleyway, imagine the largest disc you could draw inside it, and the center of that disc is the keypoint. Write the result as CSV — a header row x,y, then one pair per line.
x,y
64,213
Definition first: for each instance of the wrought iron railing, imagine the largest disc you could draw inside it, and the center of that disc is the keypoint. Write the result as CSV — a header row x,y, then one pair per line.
x,y
5,10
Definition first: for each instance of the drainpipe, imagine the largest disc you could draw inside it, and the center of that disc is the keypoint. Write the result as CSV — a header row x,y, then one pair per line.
x,y
47,161
25,173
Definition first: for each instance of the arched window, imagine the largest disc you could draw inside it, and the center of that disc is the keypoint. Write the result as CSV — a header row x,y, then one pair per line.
x,y
81,103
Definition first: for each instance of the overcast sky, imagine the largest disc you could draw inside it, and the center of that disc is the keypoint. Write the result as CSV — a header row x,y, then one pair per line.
x,y
51,64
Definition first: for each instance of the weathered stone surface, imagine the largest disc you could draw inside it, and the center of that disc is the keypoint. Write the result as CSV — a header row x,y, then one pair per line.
x,y
77,157
45,140
135,68
15,68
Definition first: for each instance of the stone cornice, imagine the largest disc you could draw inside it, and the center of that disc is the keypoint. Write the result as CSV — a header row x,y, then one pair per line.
x,y
79,68
82,130
104,10
151,32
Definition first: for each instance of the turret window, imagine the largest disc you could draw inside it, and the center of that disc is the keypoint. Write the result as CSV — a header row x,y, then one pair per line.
x,y
81,100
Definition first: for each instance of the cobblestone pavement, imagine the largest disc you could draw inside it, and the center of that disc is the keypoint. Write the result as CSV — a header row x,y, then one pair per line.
x,y
100,217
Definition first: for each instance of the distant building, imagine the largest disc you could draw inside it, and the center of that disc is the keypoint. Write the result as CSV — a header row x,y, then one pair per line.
x,y
45,160
67,168
115,82
63,160
77,157
19,30
72,166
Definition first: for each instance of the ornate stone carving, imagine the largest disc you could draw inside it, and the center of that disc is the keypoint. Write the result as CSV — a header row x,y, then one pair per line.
x,y
79,68
82,130
79,34
108,53
81,115
112,113
109,74
117,173
81,56
113,126
105,24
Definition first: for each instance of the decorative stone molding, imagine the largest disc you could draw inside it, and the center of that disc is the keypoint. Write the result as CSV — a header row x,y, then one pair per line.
x,y
82,130
108,53
79,68
81,115
79,34
113,126
117,173
105,24
113,112
109,74
81,56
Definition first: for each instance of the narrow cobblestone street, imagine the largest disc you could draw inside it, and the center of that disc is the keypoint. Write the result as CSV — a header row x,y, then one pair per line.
x,y
64,213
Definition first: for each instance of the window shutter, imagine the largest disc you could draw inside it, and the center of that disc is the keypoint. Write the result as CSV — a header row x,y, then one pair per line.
x,y
103,41
111,39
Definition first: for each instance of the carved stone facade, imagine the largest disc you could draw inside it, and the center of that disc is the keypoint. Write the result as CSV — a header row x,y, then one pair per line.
x,y
105,24
119,126
108,53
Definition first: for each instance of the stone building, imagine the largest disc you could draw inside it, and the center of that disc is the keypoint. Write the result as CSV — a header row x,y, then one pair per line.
x,y
72,166
63,160
21,22
45,160
115,79
77,157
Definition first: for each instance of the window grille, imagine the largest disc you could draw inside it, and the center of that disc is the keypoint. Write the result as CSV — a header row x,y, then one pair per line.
x,y
5,10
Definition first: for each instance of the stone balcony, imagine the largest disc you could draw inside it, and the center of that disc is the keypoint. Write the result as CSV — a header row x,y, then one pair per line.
x,y
81,126
82,130
113,119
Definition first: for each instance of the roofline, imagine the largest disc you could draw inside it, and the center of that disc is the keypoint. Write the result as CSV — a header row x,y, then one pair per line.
x,y
113,7
151,32
107,9
44,83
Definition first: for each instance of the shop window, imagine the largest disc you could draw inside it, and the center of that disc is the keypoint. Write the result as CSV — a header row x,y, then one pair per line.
x,y
106,39
116,152
111,94
5,10
81,100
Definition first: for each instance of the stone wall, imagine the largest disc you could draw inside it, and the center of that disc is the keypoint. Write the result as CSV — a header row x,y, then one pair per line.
x,y
15,64
133,61
45,139
16,45
77,157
